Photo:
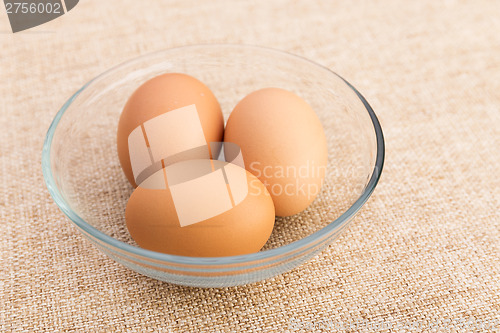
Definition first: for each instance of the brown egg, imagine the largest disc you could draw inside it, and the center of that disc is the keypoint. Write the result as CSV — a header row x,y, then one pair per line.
x,y
283,143
201,208
169,118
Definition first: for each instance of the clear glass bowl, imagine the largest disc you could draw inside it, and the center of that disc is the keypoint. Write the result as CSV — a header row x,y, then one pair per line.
x,y
83,174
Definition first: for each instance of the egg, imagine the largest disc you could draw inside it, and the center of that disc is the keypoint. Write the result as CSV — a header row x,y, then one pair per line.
x,y
201,208
283,144
169,118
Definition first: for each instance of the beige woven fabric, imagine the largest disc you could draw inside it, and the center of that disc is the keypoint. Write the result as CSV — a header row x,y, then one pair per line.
x,y
425,249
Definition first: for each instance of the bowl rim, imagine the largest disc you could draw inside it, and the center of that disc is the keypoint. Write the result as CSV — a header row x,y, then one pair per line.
x,y
209,261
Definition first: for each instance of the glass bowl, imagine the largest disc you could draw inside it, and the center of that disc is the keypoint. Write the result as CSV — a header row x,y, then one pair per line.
x,y
83,174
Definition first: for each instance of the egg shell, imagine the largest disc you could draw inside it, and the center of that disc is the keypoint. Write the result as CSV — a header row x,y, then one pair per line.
x,y
163,94
153,221
283,143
